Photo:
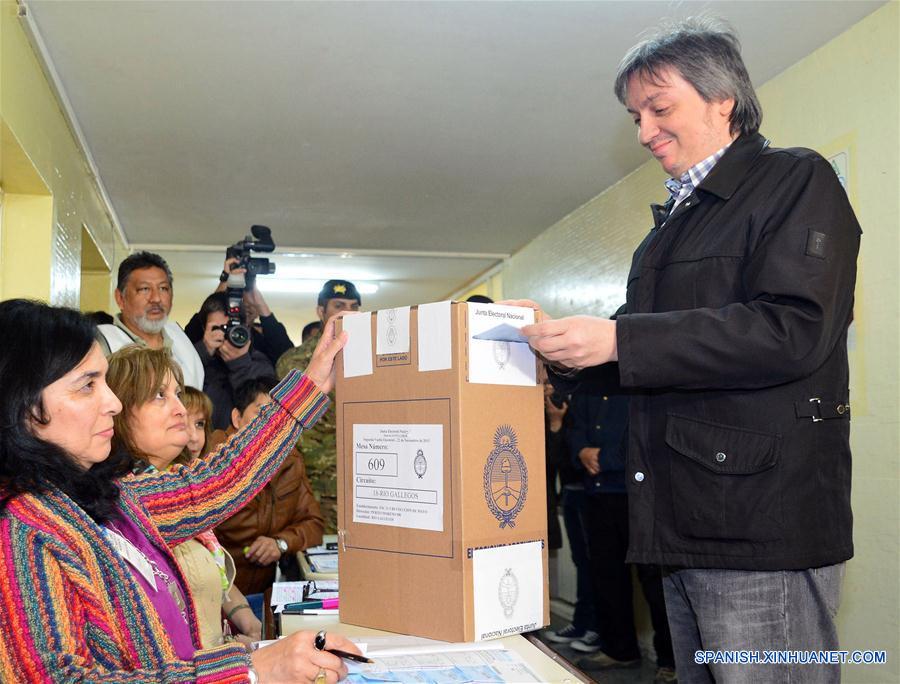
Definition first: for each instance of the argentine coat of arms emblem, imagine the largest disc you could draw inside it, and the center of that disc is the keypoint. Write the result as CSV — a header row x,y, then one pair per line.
x,y
505,477
508,592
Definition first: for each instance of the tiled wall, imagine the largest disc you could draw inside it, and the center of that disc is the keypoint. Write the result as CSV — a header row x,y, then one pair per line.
x,y
65,273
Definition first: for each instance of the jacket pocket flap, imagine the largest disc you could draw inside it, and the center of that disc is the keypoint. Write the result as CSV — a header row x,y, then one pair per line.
x,y
723,449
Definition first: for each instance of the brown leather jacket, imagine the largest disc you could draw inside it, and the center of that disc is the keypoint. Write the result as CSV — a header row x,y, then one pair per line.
x,y
284,508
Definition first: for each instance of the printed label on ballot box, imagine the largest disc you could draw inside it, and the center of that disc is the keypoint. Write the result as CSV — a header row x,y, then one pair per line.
x,y
398,475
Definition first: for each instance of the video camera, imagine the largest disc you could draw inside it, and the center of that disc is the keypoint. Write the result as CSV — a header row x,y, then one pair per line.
x,y
260,240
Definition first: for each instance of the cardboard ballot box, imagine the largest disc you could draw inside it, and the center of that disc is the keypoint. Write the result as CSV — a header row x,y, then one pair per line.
x,y
442,505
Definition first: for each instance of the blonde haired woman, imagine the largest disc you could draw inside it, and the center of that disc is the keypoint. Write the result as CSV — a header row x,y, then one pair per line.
x,y
154,429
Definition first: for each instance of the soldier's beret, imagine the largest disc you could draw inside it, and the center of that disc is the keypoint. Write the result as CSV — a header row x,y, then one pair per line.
x,y
338,289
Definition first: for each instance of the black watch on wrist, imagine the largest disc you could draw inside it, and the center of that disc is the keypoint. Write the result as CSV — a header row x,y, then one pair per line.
x,y
223,276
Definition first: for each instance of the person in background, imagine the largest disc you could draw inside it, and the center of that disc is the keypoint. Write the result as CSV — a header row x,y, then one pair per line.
x,y
152,427
733,344
556,450
225,366
100,318
282,519
91,591
599,420
310,329
199,421
581,633
144,291
267,334
480,299
319,445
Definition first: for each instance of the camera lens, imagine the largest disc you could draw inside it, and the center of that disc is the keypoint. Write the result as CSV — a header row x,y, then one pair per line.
x,y
238,335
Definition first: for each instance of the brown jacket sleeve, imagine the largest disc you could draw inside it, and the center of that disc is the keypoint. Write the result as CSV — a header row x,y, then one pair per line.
x,y
285,508
297,517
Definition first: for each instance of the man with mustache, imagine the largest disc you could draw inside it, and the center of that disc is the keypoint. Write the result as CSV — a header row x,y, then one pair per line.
x,y
144,295
733,346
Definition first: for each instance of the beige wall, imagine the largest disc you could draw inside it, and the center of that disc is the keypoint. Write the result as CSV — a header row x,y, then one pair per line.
x,y
843,97
49,193
28,275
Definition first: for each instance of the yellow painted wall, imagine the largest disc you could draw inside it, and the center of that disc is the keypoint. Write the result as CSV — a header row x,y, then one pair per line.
x,y
842,97
845,97
96,276
487,285
94,294
36,134
26,233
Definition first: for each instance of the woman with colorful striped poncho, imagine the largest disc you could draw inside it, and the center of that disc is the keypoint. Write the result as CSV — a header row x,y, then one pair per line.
x,y
89,590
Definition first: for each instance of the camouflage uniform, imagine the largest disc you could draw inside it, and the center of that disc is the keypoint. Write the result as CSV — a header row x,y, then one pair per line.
x,y
318,443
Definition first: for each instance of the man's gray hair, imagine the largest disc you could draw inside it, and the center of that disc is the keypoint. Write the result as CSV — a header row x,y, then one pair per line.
x,y
707,54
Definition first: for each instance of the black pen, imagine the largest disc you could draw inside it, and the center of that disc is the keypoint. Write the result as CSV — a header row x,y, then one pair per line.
x,y
349,656
319,643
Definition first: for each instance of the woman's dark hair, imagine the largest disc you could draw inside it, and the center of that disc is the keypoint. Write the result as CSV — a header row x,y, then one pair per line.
x,y
44,343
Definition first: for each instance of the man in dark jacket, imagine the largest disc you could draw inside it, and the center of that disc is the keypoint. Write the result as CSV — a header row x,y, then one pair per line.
x,y
734,341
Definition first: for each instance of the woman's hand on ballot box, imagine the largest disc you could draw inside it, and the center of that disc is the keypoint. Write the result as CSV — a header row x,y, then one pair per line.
x,y
321,367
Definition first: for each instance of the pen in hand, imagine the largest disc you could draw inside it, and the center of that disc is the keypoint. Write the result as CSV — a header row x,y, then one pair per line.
x,y
349,656
319,643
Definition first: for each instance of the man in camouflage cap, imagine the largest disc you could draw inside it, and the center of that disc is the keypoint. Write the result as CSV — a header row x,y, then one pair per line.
x,y
318,443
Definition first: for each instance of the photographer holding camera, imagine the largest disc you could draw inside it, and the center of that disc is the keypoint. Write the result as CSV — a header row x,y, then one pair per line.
x,y
226,366
246,302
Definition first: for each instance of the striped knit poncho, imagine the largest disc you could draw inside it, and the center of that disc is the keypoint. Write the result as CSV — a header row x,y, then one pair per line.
x,y
70,608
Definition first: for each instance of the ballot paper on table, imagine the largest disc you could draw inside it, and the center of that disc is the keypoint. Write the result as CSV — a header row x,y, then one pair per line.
x,y
287,592
323,585
327,547
414,659
498,353
324,562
